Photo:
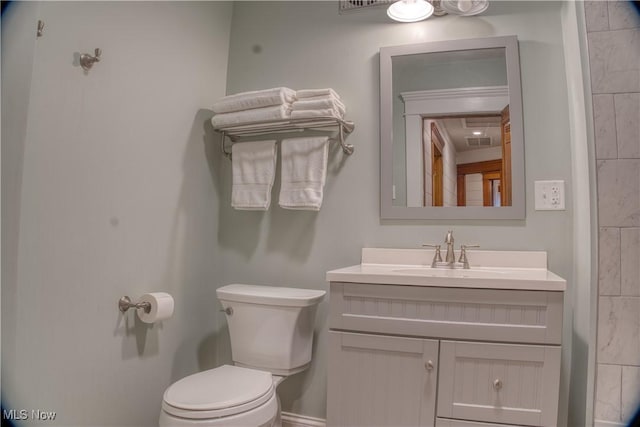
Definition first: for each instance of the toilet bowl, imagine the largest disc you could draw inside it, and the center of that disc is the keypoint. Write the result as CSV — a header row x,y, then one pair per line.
x,y
271,332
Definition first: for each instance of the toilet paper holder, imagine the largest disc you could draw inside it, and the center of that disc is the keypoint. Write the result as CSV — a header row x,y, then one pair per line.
x,y
125,304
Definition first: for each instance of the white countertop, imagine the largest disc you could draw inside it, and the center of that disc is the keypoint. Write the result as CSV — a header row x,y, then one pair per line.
x,y
412,267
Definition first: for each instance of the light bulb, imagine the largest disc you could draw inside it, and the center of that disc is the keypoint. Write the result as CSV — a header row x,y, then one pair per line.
x,y
410,10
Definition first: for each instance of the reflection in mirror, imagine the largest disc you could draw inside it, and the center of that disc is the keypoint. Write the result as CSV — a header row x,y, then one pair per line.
x,y
465,161
448,144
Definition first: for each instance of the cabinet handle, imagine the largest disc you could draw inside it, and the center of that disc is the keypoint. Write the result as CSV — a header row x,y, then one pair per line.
x,y
497,384
429,366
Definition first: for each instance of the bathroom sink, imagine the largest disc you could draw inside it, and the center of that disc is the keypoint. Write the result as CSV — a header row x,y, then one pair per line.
x,y
489,270
450,272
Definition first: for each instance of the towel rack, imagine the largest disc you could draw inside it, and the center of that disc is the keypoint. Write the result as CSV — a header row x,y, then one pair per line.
x,y
344,128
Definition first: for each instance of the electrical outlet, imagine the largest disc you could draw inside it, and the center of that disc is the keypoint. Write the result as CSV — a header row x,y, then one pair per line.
x,y
549,195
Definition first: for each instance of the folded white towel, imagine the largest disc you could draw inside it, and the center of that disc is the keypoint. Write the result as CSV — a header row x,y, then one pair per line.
x,y
254,99
308,93
318,103
304,171
253,170
312,114
328,97
265,114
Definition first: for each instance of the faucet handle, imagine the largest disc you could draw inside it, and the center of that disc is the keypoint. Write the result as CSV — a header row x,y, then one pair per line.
x,y
469,246
463,255
437,248
437,257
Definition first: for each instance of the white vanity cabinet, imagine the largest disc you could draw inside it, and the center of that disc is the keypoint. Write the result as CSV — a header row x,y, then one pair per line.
x,y
403,353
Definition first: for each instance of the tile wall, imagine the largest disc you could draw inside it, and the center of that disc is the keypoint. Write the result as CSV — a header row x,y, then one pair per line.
x,y
613,32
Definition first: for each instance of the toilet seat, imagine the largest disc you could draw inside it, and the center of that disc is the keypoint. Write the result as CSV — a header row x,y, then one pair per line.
x,y
220,392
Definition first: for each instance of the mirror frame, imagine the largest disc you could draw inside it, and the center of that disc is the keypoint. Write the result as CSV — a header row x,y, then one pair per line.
x,y
517,209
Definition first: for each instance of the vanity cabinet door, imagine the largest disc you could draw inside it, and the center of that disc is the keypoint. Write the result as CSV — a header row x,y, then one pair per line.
x,y
376,380
500,383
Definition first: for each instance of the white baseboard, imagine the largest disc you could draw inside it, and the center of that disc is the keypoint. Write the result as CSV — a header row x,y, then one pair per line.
x,y
601,423
295,420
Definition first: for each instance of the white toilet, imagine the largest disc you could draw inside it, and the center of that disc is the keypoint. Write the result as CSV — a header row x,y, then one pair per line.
x,y
271,332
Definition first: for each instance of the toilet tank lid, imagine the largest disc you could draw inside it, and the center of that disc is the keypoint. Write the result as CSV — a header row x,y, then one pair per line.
x,y
270,295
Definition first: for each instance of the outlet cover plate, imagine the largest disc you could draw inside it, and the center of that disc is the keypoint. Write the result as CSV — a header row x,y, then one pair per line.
x,y
549,195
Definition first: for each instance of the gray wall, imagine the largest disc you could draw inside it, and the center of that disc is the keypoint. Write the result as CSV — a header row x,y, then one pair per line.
x,y
106,191
17,50
306,45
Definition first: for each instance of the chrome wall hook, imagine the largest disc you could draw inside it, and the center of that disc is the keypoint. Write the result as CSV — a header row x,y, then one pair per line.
x,y
125,304
87,61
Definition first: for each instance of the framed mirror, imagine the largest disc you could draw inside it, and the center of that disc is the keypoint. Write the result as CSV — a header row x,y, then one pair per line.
x,y
451,130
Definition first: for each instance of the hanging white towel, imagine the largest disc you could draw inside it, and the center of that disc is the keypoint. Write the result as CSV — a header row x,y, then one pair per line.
x,y
264,114
254,99
308,93
319,103
253,170
304,171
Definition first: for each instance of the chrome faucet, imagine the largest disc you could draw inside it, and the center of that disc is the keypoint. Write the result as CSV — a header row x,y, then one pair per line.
x,y
450,257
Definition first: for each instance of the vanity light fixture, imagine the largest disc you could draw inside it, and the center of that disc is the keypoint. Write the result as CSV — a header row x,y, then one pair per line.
x,y
477,132
418,10
410,10
464,7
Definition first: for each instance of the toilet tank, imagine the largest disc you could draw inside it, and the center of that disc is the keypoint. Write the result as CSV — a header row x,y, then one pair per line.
x,y
271,328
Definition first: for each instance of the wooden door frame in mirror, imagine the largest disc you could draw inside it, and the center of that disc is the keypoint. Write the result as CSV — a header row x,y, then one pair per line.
x,y
517,209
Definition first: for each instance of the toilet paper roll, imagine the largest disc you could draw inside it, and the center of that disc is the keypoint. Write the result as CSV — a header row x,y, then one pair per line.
x,y
161,307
